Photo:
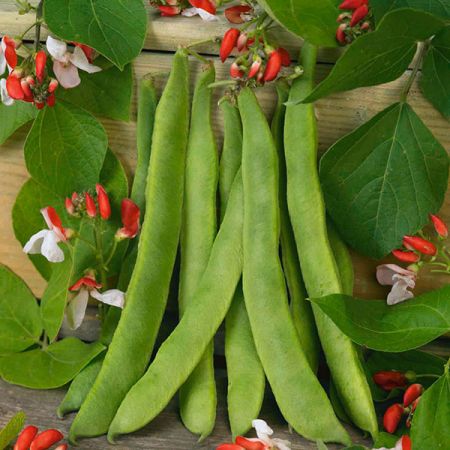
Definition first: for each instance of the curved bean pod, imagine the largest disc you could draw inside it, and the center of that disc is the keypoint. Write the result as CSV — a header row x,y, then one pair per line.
x,y
307,212
246,379
300,308
146,297
298,393
198,397
180,353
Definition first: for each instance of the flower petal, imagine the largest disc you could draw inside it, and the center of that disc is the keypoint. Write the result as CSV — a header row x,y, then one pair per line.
x,y
79,59
57,49
67,74
399,291
2,62
34,244
263,431
50,248
281,444
386,272
113,297
6,99
205,15
76,309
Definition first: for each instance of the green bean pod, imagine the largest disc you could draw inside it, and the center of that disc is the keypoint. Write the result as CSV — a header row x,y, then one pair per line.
x,y
246,379
300,308
181,352
146,297
198,397
320,272
298,393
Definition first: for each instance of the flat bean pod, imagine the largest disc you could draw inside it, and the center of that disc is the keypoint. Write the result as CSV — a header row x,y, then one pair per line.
x,y
180,353
298,393
198,397
320,272
146,297
246,378
300,308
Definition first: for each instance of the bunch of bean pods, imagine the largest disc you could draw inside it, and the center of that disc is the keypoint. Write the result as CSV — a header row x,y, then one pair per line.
x,y
230,271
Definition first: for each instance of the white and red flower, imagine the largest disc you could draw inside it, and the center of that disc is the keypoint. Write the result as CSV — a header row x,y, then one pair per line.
x,y
401,280
45,242
87,287
206,9
66,63
8,55
130,220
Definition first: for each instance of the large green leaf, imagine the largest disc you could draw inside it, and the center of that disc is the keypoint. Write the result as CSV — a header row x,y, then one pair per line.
x,y
430,426
435,80
106,93
49,367
20,322
116,29
315,21
397,328
65,149
380,56
382,180
11,430
13,117
440,8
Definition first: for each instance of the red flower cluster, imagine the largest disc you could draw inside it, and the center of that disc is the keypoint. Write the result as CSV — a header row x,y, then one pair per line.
x,y
176,7
29,439
353,23
256,60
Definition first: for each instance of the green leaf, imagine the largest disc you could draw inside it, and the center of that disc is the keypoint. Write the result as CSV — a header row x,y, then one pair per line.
x,y
440,8
12,429
430,426
321,445
315,21
65,149
381,56
385,440
51,367
106,93
382,180
115,29
20,324
435,80
13,117
397,328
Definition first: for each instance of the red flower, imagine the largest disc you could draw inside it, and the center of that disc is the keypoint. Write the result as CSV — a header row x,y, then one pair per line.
x,y
285,57
406,256
392,417
10,51
88,282
359,14
229,447
352,4
273,66
51,100
130,220
254,68
26,438
406,442
412,393
419,244
250,444
235,71
341,37
169,10
54,222
389,380
41,61
88,51
14,87
103,202
439,225
228,43
46,439
206,5
91,209
234,13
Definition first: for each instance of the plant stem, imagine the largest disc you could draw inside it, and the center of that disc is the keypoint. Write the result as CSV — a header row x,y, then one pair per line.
x,y
423,47
427,375
113,251
38,24
197,55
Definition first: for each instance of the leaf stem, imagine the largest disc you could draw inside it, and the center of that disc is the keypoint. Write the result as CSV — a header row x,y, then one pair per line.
x,y
423,47
38,24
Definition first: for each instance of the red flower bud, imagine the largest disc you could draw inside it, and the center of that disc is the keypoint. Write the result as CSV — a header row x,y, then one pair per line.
x,y
39,105
229,447
26,88
10,51
412,393
14,87
241,43
392,417
365,26
228,43
130,220
70,207
419,244
390,379
103,202
25,438
254,68
250,445
406,442
406,256
352,4
52,86
439,225
235,71
51,100
234,13
273,66
46,439
341,37
90,205
206,5
62,447
285,57
359,14
169,10
41,61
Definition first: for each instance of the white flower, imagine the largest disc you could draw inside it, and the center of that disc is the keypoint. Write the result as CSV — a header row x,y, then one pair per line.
x,y
6,99
45,242
264,433
205,15
2,58
400,279
87,286
66,64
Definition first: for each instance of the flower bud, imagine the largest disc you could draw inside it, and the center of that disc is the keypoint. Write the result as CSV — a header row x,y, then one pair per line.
x,y
229,41
229,447
406,443
103,202
169,11
419,244
130,220
352,4
234,14
70,207
52,86
41,61
389,380
439,225
90,205
241,43
25,438
359,14
248,444
392,417
365,26
51,100
26,88
273,66
406,256
412,393
341,37
46,439
285,57
235,71
254,68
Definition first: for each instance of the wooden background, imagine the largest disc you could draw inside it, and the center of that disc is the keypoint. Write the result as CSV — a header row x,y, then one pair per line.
x,y
337,115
